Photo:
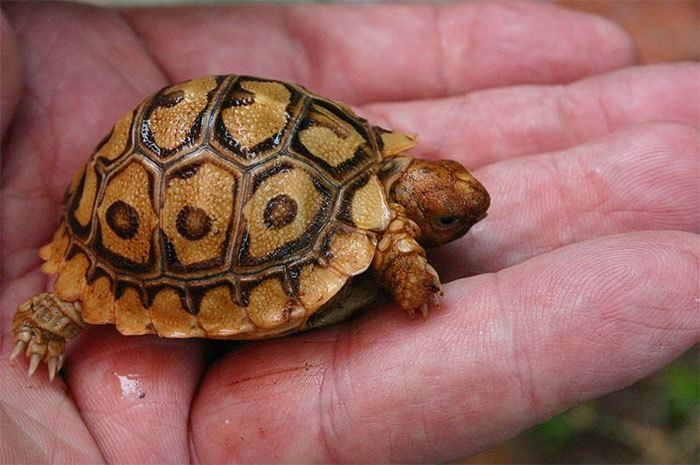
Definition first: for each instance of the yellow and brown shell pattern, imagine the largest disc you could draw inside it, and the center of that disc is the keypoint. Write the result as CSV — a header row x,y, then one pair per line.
x,y
225,206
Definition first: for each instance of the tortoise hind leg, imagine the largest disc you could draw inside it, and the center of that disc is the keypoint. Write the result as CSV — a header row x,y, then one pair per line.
x,y
401,265
41,326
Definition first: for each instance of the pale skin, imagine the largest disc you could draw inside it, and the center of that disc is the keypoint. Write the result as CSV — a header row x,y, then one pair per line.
x,y
582,280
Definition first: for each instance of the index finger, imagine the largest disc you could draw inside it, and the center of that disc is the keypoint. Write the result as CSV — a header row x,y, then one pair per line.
x,y
365,53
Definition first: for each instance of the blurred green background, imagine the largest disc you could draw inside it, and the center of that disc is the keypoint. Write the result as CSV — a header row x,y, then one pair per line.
x,y
656,420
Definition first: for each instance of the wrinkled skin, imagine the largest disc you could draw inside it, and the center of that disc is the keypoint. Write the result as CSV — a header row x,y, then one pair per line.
x,y
442,197
582,280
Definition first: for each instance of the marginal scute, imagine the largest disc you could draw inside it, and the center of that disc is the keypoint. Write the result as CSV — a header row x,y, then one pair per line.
x,y
318,284
269,306
54,252
393,143
220,316
130,316
71,278
98,302
170,319
350,251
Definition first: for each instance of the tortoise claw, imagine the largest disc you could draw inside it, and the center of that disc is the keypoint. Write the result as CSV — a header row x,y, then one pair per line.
x,y
424,311
19,348
52,365
61,359
33,364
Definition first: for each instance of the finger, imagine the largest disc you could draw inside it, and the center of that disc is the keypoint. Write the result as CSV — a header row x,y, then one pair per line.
x,y
504,352
640,178
11,82
361,53
75,89
134,393
84,68
91,72
492,125
39,421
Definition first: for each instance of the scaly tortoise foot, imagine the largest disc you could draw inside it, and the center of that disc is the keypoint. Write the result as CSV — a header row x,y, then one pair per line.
x,y
41,326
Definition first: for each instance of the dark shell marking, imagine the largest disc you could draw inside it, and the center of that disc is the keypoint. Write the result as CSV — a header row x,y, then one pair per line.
x,y
280,211
193,223
123,219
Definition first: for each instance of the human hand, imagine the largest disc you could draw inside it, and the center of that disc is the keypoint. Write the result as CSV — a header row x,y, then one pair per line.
x,y
583,277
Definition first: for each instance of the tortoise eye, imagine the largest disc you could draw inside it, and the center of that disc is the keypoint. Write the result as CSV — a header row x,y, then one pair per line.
x,y
446,221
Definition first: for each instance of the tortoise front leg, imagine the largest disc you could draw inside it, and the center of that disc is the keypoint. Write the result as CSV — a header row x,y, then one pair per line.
x,y
401,265
41,326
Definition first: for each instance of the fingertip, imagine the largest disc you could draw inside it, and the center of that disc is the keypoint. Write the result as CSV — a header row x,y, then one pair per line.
x,y
602,44
260,404
498,44
135,392
622,48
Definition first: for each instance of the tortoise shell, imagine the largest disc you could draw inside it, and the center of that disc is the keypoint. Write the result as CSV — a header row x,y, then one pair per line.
x,y
225,206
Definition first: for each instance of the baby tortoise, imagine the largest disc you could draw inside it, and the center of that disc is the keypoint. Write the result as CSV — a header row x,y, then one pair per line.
x,y
237,207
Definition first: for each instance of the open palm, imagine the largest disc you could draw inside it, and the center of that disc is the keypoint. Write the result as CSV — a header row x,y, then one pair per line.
x,y
584,277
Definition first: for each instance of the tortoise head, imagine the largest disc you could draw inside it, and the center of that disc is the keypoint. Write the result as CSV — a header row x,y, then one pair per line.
x,y
442,197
